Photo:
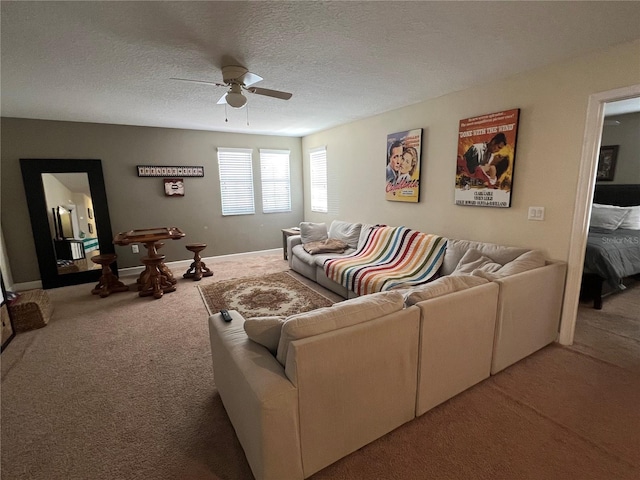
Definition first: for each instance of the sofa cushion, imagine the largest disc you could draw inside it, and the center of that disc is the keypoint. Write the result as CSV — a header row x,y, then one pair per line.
x,y
339,315
265,331
526,261
441,286
348,232
457,248
313,232
330,245
474,260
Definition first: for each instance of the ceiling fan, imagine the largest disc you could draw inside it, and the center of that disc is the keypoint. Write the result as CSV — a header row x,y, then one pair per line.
x,y
237,79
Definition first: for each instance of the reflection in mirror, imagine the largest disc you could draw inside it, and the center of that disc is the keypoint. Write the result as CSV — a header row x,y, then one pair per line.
x,y
69,204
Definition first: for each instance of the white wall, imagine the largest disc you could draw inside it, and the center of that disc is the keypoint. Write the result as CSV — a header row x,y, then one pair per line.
x,y
553,103
627,136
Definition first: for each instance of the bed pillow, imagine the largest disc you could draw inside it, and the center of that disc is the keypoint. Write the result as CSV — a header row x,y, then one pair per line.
x,y
632,222
607,218
313,232
265,331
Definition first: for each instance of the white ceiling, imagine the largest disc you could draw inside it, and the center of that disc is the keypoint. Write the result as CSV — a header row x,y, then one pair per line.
x,y
111,62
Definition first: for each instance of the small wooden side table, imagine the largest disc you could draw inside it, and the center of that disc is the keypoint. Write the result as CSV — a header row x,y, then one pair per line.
x,y
286,233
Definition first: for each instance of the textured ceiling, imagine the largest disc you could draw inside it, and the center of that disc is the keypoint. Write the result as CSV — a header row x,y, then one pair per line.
x,y
111,62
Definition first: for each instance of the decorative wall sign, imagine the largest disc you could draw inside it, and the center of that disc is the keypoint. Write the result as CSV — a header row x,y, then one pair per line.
x,y
403,166
164,171
607,162
486,155
174,187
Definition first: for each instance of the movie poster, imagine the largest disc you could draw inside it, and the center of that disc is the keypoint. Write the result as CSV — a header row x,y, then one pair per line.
x,y
403,166
486,155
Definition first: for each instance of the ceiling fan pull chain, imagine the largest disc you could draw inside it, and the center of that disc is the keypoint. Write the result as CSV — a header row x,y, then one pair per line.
x,y
247,115
226,117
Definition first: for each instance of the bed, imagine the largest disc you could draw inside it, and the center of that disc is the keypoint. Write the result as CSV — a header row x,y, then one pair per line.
x,y
613,243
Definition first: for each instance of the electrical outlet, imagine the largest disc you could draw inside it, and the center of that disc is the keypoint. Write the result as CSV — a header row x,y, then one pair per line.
x,y
536,213
135,248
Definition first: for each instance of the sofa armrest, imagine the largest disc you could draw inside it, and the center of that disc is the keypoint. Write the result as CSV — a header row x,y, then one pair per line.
x,y
292,241
260,401
355,384
456,343
529,308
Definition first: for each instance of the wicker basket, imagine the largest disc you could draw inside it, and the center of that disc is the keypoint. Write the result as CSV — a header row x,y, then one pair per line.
x,y
32,309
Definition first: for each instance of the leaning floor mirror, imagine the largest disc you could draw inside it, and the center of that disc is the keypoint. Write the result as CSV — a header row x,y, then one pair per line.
x,y
69,217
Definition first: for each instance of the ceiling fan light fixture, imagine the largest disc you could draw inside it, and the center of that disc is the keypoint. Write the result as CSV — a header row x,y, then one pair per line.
x,y
236,100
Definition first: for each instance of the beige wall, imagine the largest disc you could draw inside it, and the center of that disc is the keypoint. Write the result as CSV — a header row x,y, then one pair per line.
x,y
627,136
553,103
140,202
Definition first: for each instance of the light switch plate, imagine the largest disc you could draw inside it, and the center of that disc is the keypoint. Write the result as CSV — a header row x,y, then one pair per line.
x,y
536,213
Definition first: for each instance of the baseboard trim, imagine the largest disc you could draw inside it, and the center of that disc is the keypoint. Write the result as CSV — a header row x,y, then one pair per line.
x,y
178,264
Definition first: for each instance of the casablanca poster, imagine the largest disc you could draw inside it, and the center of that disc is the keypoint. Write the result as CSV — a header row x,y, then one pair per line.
x,y
486,154
403,166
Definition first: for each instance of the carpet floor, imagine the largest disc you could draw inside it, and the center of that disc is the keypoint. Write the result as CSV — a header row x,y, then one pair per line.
x,y
122,388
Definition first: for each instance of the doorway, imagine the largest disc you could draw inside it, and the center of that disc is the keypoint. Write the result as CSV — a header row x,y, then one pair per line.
x,y
582,209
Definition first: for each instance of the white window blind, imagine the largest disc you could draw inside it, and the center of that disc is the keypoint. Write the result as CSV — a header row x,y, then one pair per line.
x,y
276,185
236,181
318,164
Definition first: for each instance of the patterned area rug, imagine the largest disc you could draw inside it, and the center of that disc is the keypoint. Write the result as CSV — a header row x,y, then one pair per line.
x,y
276,294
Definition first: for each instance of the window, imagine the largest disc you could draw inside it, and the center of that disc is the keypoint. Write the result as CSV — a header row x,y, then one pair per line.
x,y
236,181
276,187
318,163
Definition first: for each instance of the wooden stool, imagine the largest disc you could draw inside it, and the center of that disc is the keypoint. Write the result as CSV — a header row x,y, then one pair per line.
x,y
156,283
152,249
198,269
108,282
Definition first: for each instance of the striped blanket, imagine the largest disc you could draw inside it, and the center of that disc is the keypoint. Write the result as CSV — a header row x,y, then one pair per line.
x,y
389,257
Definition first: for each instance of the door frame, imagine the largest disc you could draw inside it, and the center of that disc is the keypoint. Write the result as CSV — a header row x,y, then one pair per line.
x,y
582,207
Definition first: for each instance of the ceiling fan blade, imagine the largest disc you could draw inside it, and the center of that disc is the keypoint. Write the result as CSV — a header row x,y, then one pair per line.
x,y
270,93
223,99
250,79
199,81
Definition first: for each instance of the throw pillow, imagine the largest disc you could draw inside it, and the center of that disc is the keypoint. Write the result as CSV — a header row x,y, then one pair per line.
x,y
265,331
348,232
607,218
526,261
313,232
330,245
340,315
442,286
474,260
457,248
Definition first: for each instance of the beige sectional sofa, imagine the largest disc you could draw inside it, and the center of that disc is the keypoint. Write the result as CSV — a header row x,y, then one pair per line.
x,y
313,388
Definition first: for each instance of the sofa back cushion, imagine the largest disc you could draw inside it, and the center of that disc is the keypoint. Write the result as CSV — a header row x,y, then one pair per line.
x,y
339,315
348,232
441,286
526,261
457,248
313,232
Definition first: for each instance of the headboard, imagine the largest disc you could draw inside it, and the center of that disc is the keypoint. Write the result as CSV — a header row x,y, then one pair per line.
x,y
620,195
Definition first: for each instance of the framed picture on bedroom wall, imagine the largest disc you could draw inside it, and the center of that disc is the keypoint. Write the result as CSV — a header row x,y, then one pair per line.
x,y
403,166
485,159
607,163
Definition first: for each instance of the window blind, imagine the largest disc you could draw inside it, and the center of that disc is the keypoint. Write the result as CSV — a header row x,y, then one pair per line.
x,y
318,169
276,185
236,181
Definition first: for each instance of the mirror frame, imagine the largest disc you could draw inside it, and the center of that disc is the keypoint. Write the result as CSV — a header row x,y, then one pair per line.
x,y
32,170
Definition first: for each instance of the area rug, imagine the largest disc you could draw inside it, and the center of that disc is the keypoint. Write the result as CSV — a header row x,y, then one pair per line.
x,y
275,294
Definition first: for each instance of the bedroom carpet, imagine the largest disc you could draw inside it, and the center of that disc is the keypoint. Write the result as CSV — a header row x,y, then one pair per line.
x,y
122,388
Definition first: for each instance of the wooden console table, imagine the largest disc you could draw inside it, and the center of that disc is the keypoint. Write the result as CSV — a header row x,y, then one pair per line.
x,y
150,237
